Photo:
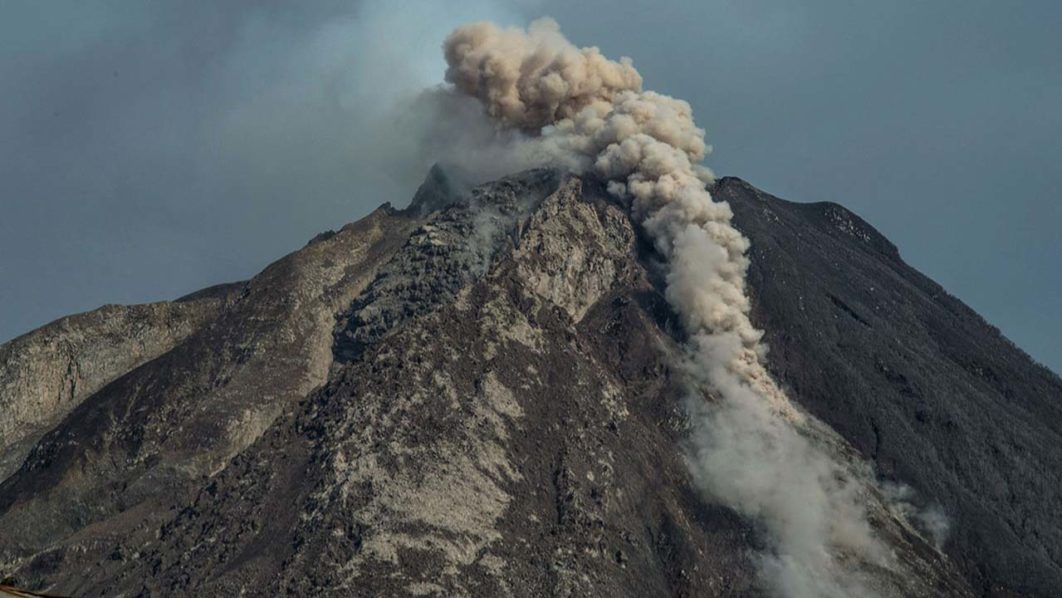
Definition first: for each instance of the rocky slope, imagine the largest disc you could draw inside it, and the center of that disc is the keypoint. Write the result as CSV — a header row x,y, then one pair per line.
x,y
475,396
916,381
48,372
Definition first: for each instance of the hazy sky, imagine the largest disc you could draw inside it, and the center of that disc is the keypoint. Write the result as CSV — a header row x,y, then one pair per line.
x,y
151,149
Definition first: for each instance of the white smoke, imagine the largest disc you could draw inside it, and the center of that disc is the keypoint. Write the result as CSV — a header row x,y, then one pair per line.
x,y
748,446
449,129
931,519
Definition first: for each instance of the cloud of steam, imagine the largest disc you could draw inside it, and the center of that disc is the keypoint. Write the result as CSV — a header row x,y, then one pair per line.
x,y
449,129
575,107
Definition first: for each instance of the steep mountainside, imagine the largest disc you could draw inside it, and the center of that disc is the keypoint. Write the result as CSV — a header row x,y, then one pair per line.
x,y
119,459
915,380
476,396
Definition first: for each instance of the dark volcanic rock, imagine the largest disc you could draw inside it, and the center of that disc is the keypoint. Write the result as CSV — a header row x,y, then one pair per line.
x,y
915,380
443,255
474,396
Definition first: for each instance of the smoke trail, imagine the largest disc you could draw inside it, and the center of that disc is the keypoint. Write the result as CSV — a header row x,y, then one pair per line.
x,y
748,450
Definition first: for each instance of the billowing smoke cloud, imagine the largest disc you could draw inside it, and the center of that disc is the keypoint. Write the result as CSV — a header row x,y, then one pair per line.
x,y
748,447
533,79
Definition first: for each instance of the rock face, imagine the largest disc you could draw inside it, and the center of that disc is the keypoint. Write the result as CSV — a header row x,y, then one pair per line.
x,y
124,455
48,372
474,396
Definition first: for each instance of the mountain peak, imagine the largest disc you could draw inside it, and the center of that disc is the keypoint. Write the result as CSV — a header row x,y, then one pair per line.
x,y
477,395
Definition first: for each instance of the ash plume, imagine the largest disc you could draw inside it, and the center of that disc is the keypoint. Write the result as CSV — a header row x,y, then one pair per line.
x,y
573,107
535,78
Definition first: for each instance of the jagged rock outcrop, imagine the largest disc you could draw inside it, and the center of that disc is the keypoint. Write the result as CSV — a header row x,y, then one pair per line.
x,y
475,396
445,254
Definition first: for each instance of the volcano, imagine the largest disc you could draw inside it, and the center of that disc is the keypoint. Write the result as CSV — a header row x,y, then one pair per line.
x,y
478,395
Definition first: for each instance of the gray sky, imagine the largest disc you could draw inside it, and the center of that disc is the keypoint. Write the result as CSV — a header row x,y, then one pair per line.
x,y
151,149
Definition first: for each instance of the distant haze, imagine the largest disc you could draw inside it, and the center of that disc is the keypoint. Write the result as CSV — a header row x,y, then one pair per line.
x,y
146,152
